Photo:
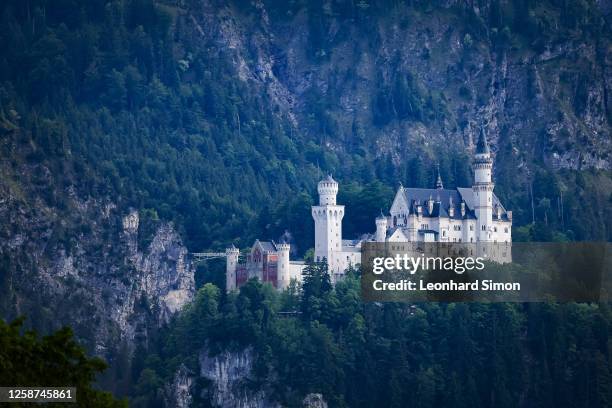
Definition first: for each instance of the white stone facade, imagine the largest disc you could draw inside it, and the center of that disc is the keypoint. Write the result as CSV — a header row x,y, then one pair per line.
x,y
329,244
467,215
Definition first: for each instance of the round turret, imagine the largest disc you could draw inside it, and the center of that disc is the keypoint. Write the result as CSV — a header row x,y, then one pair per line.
x,y
232,250
328,189
283,247
231,263
381,228
284,273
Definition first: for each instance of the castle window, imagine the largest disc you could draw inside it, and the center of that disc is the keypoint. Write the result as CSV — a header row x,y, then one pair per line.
x,y
495,229
443,233
484,227
506,230
471,228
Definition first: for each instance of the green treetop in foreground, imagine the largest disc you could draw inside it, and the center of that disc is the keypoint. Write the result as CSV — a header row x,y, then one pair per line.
x,y
56,360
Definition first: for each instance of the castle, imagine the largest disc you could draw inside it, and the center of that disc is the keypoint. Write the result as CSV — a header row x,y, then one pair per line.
x,y
467,215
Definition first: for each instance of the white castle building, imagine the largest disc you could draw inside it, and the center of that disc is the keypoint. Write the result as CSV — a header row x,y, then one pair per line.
x,y
441,215
466,215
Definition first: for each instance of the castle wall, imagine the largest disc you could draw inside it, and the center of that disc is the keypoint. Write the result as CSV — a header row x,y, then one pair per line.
x,y
423,224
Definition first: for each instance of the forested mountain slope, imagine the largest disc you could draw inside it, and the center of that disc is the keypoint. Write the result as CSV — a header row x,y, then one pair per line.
x,y
214,121
237,350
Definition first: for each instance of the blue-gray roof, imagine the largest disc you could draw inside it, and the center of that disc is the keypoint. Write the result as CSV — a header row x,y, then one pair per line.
x,y
482,147
443,198
268,246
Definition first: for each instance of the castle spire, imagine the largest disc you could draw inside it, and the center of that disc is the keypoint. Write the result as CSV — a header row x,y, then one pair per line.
x,y
482,147
483,189
439,184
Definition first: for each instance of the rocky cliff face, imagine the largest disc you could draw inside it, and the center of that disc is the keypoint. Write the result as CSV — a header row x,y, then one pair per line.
x,y
80,264
180,392
164,273
405,77
228,375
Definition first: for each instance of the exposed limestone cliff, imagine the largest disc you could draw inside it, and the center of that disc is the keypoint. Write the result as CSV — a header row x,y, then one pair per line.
x,y
179,392
227,374
550,101
87,270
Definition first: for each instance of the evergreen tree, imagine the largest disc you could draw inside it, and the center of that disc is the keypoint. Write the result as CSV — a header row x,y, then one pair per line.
x,y
56,360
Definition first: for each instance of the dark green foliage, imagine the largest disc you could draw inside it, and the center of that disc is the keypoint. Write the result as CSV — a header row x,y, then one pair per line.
x,y
56,360
364,204
317,285
102,99
402,99
393,354
121,100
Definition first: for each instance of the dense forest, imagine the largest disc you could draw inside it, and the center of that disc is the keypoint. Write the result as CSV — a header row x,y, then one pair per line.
x,y
120,100
220,117
389,354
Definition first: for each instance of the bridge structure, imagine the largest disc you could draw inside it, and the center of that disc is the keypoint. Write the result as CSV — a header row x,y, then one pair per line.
x,y
199,257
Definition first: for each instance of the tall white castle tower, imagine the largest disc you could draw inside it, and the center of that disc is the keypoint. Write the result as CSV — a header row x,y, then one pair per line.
x,y
231,256
284,274
483,190
381,228
328,225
